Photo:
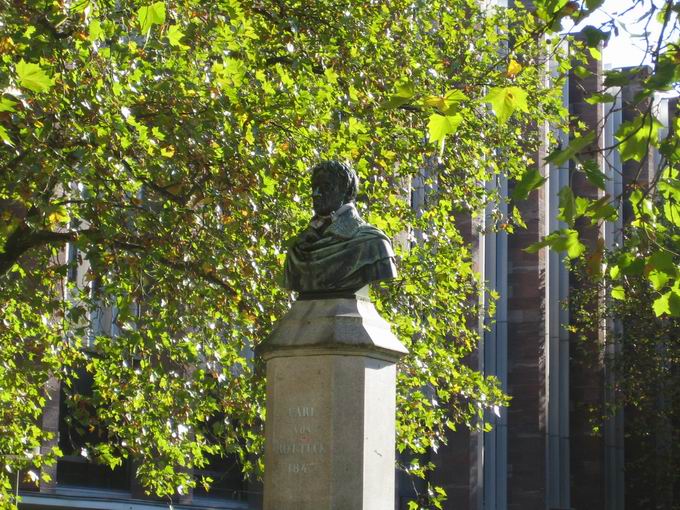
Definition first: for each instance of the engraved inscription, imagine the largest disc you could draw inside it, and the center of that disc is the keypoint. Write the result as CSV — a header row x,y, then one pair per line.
x,y
302,428
300,412
299,448
295,468
301,444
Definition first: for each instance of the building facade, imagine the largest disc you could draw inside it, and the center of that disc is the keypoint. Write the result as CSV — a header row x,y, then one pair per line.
x,y
562,443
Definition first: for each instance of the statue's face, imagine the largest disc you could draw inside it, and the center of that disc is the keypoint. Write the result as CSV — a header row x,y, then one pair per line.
x,y
328,192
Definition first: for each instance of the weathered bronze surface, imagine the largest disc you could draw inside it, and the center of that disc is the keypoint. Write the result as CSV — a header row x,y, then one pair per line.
x,y
338,253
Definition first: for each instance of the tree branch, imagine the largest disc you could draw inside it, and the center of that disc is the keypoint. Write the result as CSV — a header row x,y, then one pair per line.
x,y
187,266
23,239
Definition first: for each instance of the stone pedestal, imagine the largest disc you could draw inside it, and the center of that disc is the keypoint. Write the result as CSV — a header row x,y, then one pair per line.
x,y
330,424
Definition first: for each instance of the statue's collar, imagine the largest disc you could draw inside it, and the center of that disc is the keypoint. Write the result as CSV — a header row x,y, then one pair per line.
x,y
341,210
344,221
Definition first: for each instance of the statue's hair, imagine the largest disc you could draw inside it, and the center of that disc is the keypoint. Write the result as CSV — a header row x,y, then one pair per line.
x,y
342,170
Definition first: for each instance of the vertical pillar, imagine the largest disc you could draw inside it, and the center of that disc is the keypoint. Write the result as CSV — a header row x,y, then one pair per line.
x,y
494,353
50,423
557,342
613,238
527,353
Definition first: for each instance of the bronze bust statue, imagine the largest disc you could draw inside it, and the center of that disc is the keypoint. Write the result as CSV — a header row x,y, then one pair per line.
x,y
338,253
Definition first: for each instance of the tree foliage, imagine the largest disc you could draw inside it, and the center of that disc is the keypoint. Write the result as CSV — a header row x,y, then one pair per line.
x,y
168,143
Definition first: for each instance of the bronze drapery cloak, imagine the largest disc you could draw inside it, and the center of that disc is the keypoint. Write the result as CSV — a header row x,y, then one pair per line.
x,y
347,255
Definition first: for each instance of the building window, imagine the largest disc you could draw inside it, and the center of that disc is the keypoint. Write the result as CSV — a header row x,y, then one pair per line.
x,y
74,469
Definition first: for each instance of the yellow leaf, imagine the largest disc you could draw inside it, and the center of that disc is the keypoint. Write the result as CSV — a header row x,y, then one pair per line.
x,y
249,135
168,151
60,215
436,101
514,68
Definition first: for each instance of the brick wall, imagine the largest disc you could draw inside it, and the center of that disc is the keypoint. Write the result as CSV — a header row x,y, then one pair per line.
x,y
586,364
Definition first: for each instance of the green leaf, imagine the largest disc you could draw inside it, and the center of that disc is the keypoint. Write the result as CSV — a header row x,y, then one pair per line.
x,y
4,136
618,293
95,30
664,75
615,272
517,217
567,206
591,5
594,36
635,198
601,209
671,212
531,180
59,214
404,94
406,89
150,15
549,10
446,104
33,77
593,173
269,185
442,125
661,305
560,241
629,264
175,36
230,73
668,303
637,136
576,145
658,279
600,97
330,75
582,205
674,303
616,78
455,96
574,247
663,261
7,105
582,72
505,101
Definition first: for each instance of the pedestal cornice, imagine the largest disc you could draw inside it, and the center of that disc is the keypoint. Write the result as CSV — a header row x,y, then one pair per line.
x,y
339,326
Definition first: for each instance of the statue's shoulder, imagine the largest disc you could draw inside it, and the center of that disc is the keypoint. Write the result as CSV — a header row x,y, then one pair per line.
x,y
350,225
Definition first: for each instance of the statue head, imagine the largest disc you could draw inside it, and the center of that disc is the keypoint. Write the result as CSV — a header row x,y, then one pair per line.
x,y
333,185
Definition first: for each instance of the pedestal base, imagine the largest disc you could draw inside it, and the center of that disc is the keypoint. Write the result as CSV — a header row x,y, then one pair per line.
x,y
330,433
330,427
